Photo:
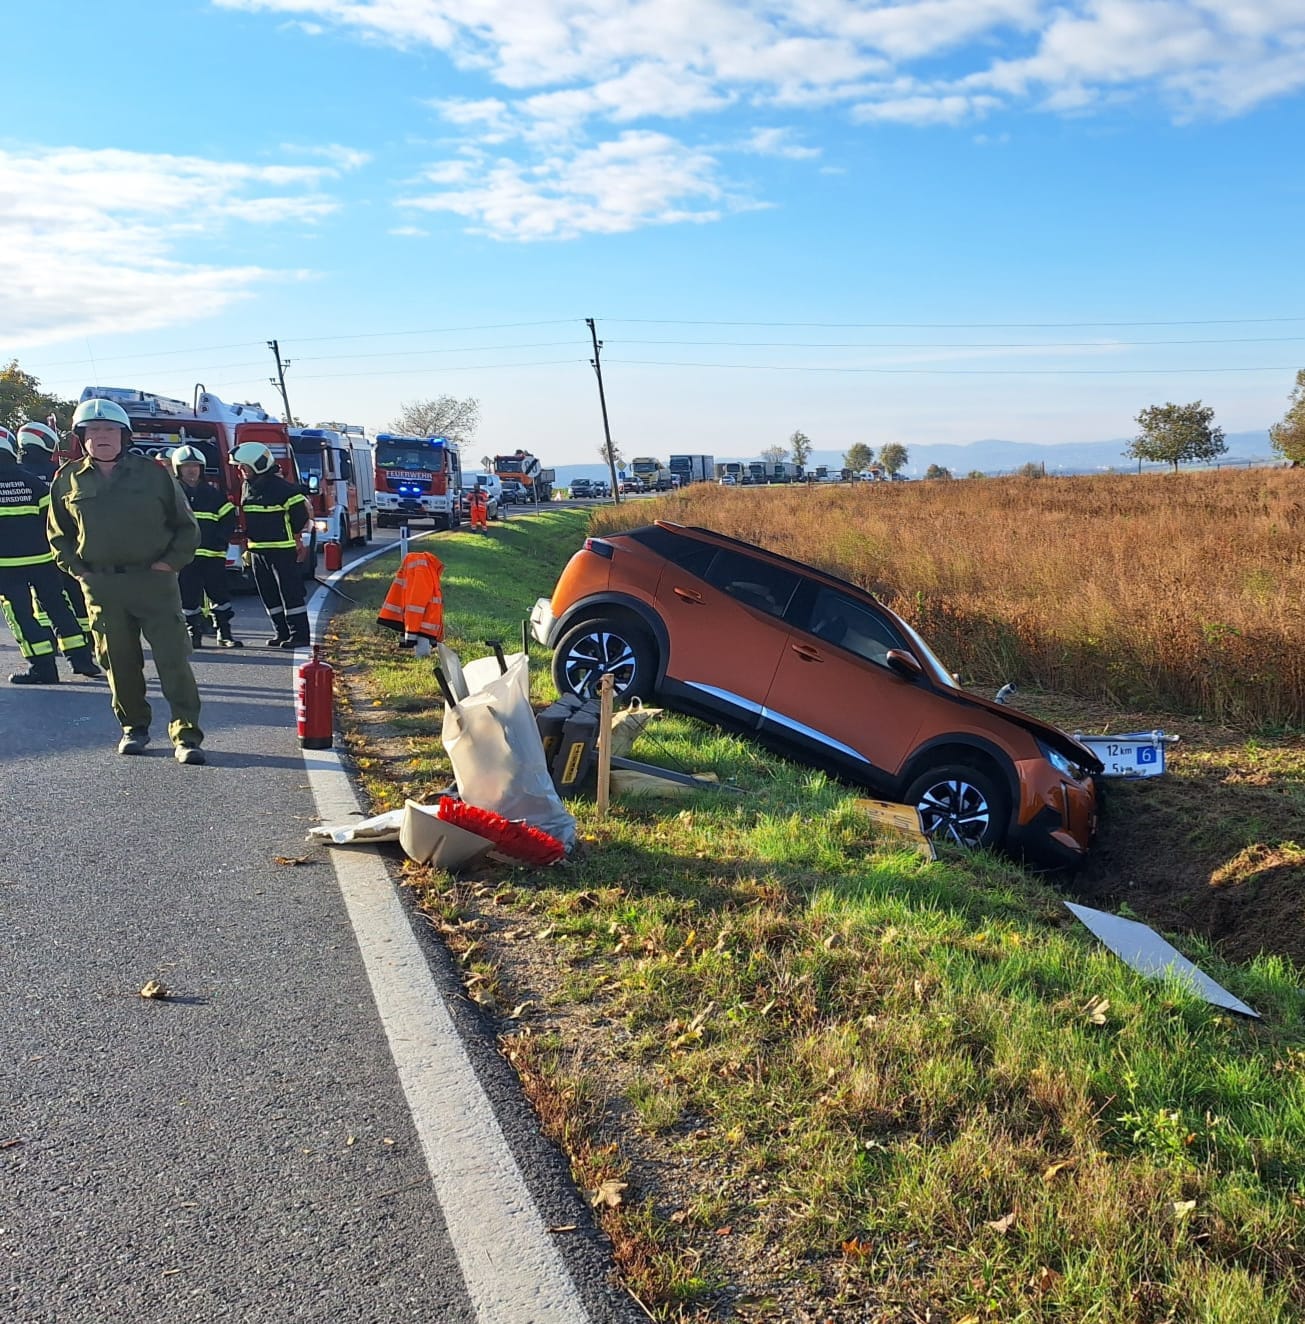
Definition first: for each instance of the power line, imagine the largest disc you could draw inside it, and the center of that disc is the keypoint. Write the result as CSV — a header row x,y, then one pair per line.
x,y
948,326
408,372
972,344
951,372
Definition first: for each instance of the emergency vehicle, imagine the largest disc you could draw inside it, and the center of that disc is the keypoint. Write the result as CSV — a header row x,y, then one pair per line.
x,y
525,469
417,478
336,466
215,428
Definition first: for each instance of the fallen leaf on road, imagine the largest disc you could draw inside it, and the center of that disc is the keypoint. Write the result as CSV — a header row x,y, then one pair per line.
x,y
290,860
565,1227
9,1144
520,1010
153,989
854,1247
609,1194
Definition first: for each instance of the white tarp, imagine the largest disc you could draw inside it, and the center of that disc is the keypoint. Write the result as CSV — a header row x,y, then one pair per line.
x,y
1149,954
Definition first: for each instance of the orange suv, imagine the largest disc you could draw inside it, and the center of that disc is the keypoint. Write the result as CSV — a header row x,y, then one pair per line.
x,y
821,671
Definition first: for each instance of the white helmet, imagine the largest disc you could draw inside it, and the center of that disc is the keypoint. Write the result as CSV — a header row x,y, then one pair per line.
x,y
254,455
186,455
38,435
99,410
8,443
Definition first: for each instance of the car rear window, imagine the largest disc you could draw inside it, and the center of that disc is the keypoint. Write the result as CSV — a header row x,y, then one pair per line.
x,y
689,554
755,583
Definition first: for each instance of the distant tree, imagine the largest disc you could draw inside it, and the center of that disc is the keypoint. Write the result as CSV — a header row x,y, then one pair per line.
x,y
937,471
441,416
775,454
976,473
1034,469
1177,434
800,445
859,457
893,457
1288,437
23,401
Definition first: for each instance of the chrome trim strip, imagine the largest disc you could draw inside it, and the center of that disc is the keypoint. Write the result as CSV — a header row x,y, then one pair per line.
x,y
817,737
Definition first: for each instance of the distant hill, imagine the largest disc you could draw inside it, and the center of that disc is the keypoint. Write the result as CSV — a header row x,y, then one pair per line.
x,y
993,456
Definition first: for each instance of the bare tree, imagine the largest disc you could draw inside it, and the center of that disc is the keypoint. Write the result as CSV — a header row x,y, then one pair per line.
x,y
441,416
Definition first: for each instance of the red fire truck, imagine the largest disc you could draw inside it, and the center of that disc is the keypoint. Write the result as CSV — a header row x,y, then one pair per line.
x,y
336,467
159,424
417,478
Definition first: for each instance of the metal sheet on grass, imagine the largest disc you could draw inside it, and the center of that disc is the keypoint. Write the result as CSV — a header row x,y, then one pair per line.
x,y
1149,954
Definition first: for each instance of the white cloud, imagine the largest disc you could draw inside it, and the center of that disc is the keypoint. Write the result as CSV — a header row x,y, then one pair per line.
x,y
93,241
409,232
640,178
778,142
561,72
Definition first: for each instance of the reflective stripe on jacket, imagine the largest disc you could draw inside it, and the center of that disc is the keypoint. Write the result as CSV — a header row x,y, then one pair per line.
x,y
275,511
216,517
414,603
24,499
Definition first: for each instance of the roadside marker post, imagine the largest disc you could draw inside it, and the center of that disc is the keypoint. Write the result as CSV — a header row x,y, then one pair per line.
x,y
605,687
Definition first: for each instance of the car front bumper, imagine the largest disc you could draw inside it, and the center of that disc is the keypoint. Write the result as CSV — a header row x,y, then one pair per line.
x,y
1056,822
541,621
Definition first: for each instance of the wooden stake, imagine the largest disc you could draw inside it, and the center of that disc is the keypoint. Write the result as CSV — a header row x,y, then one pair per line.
x,y
604,743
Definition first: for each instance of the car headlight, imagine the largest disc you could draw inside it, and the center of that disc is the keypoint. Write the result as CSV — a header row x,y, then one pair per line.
x,y
1066,767
320,525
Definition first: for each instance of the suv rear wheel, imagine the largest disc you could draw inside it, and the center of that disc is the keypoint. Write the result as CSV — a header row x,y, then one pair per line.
x,y
960,804
599,647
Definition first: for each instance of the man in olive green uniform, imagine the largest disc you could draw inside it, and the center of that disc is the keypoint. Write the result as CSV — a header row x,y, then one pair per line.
x,y
121,525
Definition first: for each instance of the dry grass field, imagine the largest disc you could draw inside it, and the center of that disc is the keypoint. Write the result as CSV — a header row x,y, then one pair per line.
x,y
1186,592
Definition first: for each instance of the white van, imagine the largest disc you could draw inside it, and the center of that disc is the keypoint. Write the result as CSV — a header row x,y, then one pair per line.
x,y
492,484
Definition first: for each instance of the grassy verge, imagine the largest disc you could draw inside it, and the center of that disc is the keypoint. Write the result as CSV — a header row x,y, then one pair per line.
x,y
806,1075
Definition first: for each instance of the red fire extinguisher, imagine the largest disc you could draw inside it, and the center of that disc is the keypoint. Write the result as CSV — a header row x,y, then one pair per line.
x,y
314,703
333,556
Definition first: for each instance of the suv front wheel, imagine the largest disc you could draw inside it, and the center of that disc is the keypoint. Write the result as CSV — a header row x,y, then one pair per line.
x,y
960,804
599,647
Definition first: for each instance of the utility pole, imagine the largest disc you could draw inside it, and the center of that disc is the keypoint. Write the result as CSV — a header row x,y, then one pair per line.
x,y
279,380
597,364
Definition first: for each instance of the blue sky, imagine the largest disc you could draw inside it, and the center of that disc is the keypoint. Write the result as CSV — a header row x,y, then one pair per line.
x,y
925,221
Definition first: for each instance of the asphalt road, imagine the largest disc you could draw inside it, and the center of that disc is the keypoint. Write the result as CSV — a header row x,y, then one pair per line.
x,y
242,1150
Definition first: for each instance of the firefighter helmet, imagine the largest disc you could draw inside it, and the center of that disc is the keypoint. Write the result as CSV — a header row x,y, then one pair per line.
x,y
8,443
99,410
253,455
38,435
186,455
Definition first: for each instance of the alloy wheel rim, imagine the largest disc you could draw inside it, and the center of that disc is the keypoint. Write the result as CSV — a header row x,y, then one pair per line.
x,y
955,811
594,656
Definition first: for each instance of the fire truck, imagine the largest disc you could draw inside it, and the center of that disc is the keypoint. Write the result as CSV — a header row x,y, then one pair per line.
x,y
417,478
524,468
215,428
337,467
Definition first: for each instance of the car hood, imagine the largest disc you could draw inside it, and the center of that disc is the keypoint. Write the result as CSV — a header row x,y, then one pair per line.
x,y
1044,731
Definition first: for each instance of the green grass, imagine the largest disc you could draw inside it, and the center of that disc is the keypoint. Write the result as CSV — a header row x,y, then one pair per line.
x,y
854,1061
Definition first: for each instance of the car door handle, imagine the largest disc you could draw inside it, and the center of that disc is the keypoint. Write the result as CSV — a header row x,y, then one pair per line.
x,y
688,595
807,653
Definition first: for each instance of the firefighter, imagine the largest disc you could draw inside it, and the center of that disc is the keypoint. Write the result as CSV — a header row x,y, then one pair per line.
x,y
120,523
207,573
30,585
479,508
276,512
37,448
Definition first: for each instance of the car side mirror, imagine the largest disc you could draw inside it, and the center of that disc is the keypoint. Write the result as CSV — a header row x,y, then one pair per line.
x,y
313,482
905,664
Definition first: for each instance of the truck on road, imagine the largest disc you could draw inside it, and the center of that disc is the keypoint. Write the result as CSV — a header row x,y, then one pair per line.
x,y
337,467
654,476
417,478
693,468
525,469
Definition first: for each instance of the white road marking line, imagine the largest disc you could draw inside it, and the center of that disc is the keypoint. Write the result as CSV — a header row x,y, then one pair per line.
x,y
512,1270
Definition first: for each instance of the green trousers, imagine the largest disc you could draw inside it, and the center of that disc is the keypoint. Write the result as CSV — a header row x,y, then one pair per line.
x,y
125,606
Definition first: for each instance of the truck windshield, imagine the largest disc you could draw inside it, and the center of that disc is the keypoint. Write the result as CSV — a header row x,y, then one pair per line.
x,y
410,455
309,460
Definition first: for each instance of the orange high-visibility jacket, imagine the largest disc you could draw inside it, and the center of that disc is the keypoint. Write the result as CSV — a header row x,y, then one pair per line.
x,y
414,603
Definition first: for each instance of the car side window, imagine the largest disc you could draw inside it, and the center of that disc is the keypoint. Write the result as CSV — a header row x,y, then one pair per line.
x,y
842,620
754,583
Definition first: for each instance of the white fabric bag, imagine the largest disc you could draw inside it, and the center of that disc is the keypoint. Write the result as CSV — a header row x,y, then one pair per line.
x,y
497,755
